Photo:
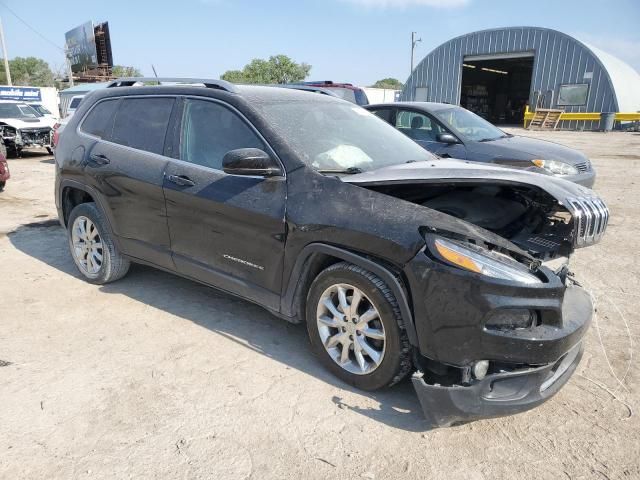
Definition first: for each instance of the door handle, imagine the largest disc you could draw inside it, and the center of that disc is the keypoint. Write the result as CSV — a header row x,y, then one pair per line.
x,y
99,158
181,180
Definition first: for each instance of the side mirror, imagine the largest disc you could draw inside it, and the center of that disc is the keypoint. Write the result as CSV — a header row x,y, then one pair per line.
x,y
250,161
447,138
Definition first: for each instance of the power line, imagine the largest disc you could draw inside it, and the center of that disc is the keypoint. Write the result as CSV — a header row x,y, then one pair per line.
x,y
32,28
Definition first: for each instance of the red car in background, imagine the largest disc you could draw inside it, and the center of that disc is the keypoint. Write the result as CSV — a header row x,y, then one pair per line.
x,y
4,171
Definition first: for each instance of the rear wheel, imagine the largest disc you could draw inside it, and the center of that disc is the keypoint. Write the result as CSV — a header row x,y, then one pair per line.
x,y
2,184
355,327
92,247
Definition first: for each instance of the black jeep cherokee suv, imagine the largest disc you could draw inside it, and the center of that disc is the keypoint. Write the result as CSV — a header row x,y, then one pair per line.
x,y
319,211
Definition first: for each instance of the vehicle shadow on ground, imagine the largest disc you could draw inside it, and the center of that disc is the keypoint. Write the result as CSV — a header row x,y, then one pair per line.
x,y
237,320
31,153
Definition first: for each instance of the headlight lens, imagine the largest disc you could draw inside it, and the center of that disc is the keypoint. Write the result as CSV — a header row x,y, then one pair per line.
x,y
480,260
555,166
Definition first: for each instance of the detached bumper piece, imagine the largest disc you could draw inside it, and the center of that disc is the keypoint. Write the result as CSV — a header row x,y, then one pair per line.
x,y
496,395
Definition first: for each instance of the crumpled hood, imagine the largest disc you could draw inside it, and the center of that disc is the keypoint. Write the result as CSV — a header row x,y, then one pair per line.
x,y
460,171
26,123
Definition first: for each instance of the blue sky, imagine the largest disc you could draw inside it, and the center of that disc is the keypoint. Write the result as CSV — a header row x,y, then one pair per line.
x,y
344,40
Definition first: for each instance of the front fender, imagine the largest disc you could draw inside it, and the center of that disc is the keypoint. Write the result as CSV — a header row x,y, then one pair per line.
x,y
292,293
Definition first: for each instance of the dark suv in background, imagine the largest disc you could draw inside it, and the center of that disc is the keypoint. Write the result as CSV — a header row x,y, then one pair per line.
x,y
325,214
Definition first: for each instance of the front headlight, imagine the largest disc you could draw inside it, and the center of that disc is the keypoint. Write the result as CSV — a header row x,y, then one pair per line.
x,y
479,260
555,167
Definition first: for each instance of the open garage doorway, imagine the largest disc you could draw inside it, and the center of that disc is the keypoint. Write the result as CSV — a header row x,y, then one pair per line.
x,y
497,87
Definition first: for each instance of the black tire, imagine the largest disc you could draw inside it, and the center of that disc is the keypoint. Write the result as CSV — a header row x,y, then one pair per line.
x,y
2,184
114,266
396,362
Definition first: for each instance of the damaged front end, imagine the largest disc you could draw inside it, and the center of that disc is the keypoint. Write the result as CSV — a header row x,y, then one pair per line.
x,y
505,391
498,316
18,138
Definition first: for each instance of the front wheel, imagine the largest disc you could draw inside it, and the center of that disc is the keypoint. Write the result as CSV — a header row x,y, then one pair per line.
x,y
2,184
92,248
356,328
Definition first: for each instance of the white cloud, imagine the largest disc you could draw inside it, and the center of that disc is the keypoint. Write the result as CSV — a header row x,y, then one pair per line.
x,y
626,50
410,3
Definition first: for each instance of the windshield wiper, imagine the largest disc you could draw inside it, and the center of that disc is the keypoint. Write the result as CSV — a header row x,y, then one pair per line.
x,y
348,171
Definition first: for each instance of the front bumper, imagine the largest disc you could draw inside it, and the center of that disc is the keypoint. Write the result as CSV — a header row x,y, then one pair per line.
x,y
452,311
496,395
36,137
586,179
29,137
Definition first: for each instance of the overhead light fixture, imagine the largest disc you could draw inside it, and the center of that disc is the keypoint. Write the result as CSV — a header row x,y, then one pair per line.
x,y
468,66
502,72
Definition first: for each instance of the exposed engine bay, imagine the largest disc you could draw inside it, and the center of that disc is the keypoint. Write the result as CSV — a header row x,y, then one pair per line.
x,y
527,216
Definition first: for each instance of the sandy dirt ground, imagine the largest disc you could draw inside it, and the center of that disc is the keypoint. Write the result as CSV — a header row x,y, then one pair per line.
x,y
159,377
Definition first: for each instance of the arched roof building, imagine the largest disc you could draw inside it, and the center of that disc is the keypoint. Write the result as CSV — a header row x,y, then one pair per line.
x,y
494,72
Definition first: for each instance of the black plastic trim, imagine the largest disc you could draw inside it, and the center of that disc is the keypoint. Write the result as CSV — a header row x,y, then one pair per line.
x,y
287,302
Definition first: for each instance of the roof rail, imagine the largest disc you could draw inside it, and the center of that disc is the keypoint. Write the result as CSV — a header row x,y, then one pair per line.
x,y
207,82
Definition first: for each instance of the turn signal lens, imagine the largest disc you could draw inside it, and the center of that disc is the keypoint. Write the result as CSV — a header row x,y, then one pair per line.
x,y
480,260
457,258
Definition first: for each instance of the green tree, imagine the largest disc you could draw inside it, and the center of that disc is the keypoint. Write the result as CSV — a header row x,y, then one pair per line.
x,y
233,76
392,83
29,71
124,71
277,69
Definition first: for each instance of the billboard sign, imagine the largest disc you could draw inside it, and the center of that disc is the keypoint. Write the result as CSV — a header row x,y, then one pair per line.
x,y
81,48
24,94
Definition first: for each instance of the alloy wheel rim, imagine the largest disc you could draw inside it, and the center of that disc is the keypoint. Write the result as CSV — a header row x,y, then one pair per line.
x,y
351,329
87,245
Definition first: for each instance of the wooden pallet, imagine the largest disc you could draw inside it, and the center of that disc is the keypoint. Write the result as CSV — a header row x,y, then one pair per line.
x,y
545,119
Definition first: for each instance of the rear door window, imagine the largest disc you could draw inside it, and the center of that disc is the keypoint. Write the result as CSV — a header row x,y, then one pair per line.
x,y
210,130
141,123
99,121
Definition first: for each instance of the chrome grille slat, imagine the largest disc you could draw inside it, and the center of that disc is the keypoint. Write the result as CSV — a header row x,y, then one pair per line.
x,y
582,167
591,217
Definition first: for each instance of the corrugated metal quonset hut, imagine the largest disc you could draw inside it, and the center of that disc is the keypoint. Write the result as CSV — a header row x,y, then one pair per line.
x,y
496,72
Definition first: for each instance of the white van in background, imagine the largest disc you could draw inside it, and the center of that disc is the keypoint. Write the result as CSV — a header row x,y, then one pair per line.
x,y
74,104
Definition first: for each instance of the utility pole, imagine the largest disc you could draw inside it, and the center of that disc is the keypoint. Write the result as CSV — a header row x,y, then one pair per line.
x,y
4,54
414,40
68,63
